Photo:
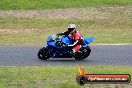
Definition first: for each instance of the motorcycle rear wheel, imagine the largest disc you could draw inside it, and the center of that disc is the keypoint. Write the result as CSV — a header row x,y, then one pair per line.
x,y
82,53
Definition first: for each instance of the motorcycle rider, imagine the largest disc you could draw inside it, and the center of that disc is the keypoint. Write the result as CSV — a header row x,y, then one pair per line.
x,y
75,36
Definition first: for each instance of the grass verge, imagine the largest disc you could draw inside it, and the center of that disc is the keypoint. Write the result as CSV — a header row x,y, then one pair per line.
x,y
29,31
55,76
48,4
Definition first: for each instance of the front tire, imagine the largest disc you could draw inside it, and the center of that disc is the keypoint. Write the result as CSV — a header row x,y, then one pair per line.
x,y
82,53
43,54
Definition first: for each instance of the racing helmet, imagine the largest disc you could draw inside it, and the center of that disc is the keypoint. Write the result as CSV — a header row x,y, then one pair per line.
x,y
71,28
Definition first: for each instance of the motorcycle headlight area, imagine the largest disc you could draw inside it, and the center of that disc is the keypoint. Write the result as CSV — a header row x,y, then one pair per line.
x,y
52,38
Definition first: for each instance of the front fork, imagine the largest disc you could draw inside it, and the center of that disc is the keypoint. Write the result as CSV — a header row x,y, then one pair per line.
x,y
50,50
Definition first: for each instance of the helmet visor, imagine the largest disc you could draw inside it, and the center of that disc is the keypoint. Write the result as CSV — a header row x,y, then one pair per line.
x,y
70,29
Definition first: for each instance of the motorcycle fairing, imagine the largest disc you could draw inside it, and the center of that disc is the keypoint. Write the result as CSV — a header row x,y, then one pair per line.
x,y
87,41
61,52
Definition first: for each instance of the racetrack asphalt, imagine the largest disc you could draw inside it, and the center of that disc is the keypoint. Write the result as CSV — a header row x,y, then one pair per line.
x,y
117,55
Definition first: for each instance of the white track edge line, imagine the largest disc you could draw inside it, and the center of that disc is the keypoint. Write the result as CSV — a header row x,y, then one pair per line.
x,y
113,44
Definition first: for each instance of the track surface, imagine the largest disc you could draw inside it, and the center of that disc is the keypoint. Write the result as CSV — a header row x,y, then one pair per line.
x,y
119,55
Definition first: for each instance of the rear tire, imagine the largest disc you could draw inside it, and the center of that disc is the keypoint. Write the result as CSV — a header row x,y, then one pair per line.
x,y
43,54
82,53
87,51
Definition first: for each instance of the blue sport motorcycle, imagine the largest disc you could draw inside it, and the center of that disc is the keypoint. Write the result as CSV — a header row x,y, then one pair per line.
x,y
54,48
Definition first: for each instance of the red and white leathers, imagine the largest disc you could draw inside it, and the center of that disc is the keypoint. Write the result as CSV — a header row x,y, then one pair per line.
x,y
78,41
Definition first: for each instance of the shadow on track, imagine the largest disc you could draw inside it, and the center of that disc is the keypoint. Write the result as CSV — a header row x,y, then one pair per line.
x,y
65,61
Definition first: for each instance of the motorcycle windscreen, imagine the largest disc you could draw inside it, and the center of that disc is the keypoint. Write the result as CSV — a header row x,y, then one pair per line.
x,y
50,41
88,40
66,40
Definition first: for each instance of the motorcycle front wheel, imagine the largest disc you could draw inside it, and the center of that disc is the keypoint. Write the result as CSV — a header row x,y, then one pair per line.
x,y
43,54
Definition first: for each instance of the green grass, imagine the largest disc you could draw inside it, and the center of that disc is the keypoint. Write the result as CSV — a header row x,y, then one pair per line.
x,y
52,4
106,26
54,76
29,31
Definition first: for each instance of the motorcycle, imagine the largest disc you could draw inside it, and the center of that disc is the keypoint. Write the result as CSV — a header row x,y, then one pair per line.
x,y
54,48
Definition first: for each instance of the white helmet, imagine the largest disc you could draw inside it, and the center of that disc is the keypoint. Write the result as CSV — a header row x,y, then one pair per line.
x,y
72,26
